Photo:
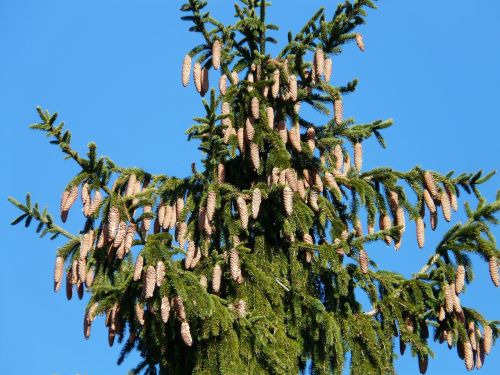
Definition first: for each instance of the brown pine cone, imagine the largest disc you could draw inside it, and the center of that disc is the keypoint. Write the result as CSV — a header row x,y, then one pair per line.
x,y
160,273
197,76
359,42
89,279
328,69
165,309
146,223
339,157
288,200
420,232
488,339
216,279
358,155
150,282
190,253
67,201
120,234
186,69
254,155
301,189
446,206
226,110
423,362
216,51
256,200
139,313
452,197
221,173
178,305
85,197
58,269
167,218
113,222
254,106
186,334
292,87
449,298
250,79
430,184
129,238
294,137
442,313
400,219
459,279
241,140
313,200
270,117
429,201
311,138
223,84
363,261
338,111
234,266
319,62
249,130
456,302
211,201
493,267
243,212
275,89
138,268
282,132
131,185
95,203
480,357
385,223
82,269
204,81
434,220
69,285
181,233
468,355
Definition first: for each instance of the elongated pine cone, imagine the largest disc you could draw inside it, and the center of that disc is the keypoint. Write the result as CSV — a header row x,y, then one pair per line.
x,y
468,355
430,184
338,111
254,155
270,117
226,110
186,70
139,313
332,184
453,198
216,51
420,232
359,42
113,222
423,362
319,62
328,69
160,273
58,269
256,200
181,233
275,89
358,155
165,309
190,253
138,268
234,266
204,81
186,334
95,203
429,201
197,76
150,282
178,305
339,157
85,198
223,84
493,267
254,106
313,200
449,297
385,223
211,201
446,206
241,140
459,279
243,212
146,223
249,130
363,261
282,132
488,339
294,136
89,279
291,179
68,198
292,87
311,138
288,200
442,313
216,279
221,173
120,234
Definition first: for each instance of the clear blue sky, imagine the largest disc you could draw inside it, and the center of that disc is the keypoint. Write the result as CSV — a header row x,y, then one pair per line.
x,y
111,68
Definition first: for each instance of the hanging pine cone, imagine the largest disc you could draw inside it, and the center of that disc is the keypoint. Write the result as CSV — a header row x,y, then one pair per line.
x,y
256,200
270,117
85,198
138,268
442,313
339,157
291,179
167,217
221,173
449,296
146,223
452,197
459,279
129,238
95,203
89,279
160,273
139,313
223,84
493,267
165,309
120,234
181,233
216,279
430,184
313,200
471,329
338,110
400,218
197,76
211,201
178,305
457,306
186,68
434,220
288,200
319,62
150,282
216,51
420,232
363,261
445,206
385,224
204,81
68,199
226,110
282,132
488,339
311,138
190,253
358,227
58,269
69,285
254,106
82,269
358,155
301,189
243,212
186,334
249,130
359,42
294,136
292,87
234,266
328,69
254,155
429,201
234,77
276,84
113,222
131,185
468,355
423,362
480,357
250,80
241,140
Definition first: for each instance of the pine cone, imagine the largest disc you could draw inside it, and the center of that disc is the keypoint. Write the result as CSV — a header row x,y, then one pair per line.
x,y
359,42
85,197
256,200
332,184
471,329
131,185
179,308
216,51
292,87
270,117
488,339
67,201
338,110
120,234
480,357
358,155
456,301
339,157
363,261
226,110
429,201
301,189
358,227
250,80
197,76
160,273
468,355
242,210
311,138
254,106
204,81
138,268
186,334
434,220
328,69
459,279
430,184
420,232
89,279
400,218
221,173
288,200
82,269
291,179
139,313
445,206
216,279
385,223
423,362
449,297
129,237
241,140
165,309
282,131
167,218
181,233
493,267
275,89
319,62
95,203
58,269
347,165
254,155
442,313
294,136
190,253
211,201
186,68
296,107
113,222
150,282
234,266
313,200
146,223
452,197
234,77
69,285
249,130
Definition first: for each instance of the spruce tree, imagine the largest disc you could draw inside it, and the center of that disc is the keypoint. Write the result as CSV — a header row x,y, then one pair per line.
x,y
251,264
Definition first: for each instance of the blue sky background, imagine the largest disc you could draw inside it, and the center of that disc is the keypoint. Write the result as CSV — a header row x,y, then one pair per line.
x,y
111,68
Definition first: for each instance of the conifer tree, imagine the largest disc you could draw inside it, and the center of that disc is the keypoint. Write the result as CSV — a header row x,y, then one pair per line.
x,y
250,265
